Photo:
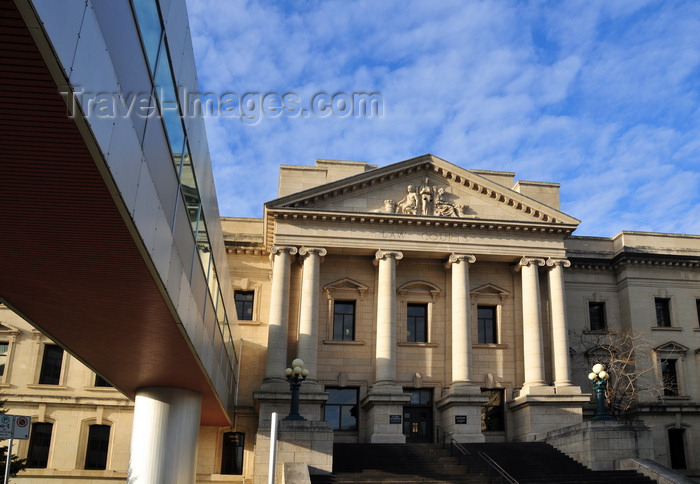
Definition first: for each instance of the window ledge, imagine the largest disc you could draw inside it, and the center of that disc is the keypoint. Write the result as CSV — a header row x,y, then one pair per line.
x,y
247,322
101,389
495,346
45,386
697,330
419,345
342,342
666,328
596,331
5,385
669,399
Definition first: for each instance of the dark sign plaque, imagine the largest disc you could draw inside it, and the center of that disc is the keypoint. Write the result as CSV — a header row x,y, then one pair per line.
x,y
395,419
460,419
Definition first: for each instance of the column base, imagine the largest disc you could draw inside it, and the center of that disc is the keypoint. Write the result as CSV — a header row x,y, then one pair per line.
x,y
384,406
537,414
461,413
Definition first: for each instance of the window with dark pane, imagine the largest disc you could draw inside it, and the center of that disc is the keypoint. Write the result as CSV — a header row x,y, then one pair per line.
x,y
344,320
492,412
417,323
596,314
39,445
487,324
51,365
669,376
244,304
97,447
101,382
232,453
4,346
663,312
341,408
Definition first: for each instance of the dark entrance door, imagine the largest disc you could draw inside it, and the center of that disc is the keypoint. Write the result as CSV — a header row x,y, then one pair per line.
x,y
418,417
677,448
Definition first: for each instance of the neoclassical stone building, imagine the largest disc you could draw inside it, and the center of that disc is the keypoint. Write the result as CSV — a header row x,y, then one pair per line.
x,y
426,299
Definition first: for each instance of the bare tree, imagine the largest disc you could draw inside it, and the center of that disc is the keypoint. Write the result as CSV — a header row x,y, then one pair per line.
x,y
628,359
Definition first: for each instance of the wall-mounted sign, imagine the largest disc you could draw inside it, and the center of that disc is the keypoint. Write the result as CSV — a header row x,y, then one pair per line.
x,y
395,419
460,419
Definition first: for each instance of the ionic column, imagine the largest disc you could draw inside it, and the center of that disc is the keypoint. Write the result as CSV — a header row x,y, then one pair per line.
x,y
461,318
279,311
560,339
532,323
385,358
308,318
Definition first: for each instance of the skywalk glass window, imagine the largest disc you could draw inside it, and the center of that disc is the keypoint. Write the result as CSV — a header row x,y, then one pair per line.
x,y
417,323
344,320
244,304
487,325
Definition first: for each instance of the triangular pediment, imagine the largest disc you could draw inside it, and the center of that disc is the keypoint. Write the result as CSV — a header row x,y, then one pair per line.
x,y
671,348
345,286
490,290
424,188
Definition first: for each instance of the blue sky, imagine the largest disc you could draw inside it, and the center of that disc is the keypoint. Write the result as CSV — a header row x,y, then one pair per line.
x,y
602,97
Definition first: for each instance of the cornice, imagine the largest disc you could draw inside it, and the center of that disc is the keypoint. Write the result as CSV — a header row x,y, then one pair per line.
x,y
420,221
625,259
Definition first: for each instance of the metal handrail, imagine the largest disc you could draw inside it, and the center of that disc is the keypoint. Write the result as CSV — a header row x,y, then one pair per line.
x,y
500,470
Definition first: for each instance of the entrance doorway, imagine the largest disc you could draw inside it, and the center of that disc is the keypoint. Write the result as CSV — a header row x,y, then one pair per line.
x,y
676,447
418,416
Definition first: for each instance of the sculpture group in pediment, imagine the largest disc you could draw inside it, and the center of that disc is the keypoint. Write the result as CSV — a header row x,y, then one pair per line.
x,y
424,200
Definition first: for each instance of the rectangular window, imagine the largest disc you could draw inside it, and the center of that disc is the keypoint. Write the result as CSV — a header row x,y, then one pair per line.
x,y
663,312
417,323
596,313
669,377
492,412
487,324
344,320
39,444
51,365
232,453
97,447
697,306
4,346
244,304
340,410
101,382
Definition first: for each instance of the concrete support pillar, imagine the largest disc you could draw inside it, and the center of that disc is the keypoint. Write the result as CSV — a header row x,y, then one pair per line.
x,y
308,319
533,348
279,311
461,319
164,436
560,338
385,359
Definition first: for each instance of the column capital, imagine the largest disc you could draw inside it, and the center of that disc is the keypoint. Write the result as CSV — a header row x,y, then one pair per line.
x,y
526,261
304,251
278,249
383,254
553,262
455,258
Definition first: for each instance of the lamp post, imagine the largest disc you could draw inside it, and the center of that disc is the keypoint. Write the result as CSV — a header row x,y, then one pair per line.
x,y
295,375
599,379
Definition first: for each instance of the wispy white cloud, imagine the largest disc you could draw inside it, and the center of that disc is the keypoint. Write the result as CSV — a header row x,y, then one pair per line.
x,y
601,97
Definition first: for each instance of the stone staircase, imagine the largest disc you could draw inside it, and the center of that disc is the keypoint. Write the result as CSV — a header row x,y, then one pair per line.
x,y
527,463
